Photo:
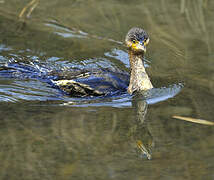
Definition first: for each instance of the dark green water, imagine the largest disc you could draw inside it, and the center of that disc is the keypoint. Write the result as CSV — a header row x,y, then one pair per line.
x,y
42,136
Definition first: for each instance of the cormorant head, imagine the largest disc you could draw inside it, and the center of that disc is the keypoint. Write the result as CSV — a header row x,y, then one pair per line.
x,y
137,40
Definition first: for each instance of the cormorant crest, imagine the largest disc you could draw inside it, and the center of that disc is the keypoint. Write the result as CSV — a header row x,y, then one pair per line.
x,y
136,33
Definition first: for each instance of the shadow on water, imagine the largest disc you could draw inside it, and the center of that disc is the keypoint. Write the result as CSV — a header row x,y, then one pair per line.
x,y
46,135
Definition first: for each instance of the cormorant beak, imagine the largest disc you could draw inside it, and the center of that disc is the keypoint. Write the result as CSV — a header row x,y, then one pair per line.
x,y
140,45
143,44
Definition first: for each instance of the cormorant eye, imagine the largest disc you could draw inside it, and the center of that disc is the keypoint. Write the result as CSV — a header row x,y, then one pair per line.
x,y
133,41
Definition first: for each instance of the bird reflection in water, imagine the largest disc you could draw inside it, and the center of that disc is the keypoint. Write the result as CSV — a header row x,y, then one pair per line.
x,y
139,131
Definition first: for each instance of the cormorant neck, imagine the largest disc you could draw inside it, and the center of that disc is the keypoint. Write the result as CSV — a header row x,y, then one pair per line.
x,y
139,80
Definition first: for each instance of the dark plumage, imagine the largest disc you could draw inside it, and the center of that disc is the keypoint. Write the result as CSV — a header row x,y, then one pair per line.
x,y
106,82
136,34
94,82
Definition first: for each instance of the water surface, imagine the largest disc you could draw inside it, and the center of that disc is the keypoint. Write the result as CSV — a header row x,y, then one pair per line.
x,y
47,135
